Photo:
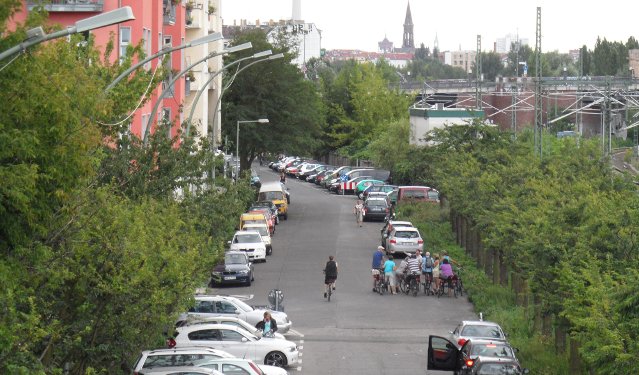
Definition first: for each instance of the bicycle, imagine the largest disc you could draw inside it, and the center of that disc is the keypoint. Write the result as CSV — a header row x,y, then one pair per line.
x,y
380,282
445,286
413,283
459,285
428,283
330,290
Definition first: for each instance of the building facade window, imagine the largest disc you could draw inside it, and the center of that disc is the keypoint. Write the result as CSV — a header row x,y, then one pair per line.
x,y
125,40
146,35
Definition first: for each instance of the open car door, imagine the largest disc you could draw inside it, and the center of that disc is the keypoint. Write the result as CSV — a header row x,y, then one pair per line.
x,y
442,354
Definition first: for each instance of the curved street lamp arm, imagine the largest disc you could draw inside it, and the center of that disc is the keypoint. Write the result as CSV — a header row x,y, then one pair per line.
x,y
207,39
201,90
180,74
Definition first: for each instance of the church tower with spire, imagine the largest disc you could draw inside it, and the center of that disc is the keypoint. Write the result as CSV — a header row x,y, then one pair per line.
x,y
409,42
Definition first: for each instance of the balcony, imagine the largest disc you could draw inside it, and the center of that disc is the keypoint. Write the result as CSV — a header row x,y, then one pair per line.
x,y
91,6
168,8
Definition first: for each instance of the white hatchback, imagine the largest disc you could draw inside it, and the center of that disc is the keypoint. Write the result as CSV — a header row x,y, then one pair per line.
x,y
240,343
251,243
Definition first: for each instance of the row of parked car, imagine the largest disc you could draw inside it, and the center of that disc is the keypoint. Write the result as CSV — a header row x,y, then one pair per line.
x,y
474,347
218,334
369,184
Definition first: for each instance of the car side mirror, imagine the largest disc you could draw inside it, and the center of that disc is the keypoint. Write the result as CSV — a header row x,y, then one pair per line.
x,y
229,242
244,339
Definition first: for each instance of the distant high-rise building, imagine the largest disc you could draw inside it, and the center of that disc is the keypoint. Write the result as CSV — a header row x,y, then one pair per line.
x,y
503,44
297,10
408,30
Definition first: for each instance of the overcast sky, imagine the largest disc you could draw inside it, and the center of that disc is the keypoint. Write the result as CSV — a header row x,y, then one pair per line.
x,y
360,24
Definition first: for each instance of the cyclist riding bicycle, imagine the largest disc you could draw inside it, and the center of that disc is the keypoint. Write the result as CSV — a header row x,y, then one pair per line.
x,y
427,269
330,274
414,263
446,274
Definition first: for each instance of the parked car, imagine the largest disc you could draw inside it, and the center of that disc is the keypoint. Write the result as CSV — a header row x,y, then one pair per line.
x,y
251,242
417,193
256,218
243,366
303,171
212,305
230,320
270,218
390,225
242,344
404,239
266,236
350,184
176,357
442,352
378,188
494,357
321,176
476,329
375,208
277,193
362,185
234,268
180,370
270,205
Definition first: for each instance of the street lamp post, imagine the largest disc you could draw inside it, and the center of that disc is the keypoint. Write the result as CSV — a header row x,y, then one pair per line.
x,y
237,142
37,35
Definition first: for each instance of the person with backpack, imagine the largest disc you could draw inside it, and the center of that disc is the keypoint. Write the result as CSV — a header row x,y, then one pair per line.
x,y
427,269
330,272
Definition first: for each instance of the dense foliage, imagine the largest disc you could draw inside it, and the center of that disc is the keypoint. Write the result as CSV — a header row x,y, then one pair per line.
x,y
102,240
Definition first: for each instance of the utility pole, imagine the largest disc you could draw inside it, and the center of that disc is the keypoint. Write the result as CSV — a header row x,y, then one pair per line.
x,y
539,116
478,73
515,90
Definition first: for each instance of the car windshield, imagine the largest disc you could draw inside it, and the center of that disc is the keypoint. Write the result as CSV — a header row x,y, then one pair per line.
x,y
432,194
492,350
243,306
247,238
498,369
406,234
235,259
263,231
170,360
481,331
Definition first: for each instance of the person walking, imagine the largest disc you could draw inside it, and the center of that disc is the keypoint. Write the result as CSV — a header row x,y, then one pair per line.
x,y
330,272
358,210
389,274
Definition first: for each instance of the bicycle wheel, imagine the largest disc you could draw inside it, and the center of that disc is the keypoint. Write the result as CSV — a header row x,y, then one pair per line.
x,y
455,291
330,292
460,286
413,287
402,286
381,289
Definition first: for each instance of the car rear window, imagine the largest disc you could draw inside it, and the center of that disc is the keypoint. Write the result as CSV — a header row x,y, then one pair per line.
x,y
406,234
414,193
376,202
247,238
492,350
481,331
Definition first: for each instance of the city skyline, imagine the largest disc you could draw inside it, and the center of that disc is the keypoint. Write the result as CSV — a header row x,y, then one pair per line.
x,y
361,24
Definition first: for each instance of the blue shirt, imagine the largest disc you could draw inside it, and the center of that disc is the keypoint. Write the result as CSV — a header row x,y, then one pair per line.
x,y
267,326
388,266
377,259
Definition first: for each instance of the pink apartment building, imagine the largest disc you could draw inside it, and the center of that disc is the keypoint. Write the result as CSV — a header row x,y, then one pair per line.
x,y
157,23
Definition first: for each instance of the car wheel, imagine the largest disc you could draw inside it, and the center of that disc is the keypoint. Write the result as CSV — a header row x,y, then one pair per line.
x,y
269,251
275,359
248,283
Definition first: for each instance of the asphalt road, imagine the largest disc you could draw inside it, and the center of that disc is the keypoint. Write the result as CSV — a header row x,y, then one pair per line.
x,y
358,332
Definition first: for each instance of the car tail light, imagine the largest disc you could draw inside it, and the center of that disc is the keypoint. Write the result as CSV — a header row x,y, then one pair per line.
x,y
257,369
393,241
470,362
461,342
420,241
